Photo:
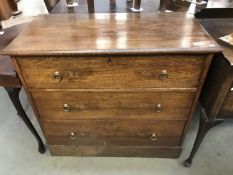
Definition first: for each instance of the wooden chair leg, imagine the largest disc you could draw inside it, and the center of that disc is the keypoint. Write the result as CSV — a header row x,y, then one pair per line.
x,y
204,126
136,6
14,7
91,6
1,29
71,3
14,96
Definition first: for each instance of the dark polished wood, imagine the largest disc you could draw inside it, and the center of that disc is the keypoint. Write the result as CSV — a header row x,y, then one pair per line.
x,y
11,82
13,5
8,8
91,6
50,4
13,93
5,10
106,72
216,96
214,13
227,107
112,34
217,85
151,104
183,71
114,132
137,4
204,126
115,151
8,77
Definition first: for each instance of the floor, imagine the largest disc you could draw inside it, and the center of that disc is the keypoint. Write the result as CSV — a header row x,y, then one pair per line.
x,y
18,148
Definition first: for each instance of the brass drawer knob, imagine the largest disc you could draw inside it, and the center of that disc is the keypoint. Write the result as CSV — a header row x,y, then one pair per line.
x,y
163,75
153,137
72,136
109,60
66,108
159,108
57,76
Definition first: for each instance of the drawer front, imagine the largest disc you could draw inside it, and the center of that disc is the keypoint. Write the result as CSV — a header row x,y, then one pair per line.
x,y
115,151
112,72
114,132
227,107
113,105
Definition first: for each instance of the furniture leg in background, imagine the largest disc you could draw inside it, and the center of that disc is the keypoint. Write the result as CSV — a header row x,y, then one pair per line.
x,y
204,126
5,13
136,6
14,7
71,3
13,93
10,81
50,4
217,93
91,6
1,29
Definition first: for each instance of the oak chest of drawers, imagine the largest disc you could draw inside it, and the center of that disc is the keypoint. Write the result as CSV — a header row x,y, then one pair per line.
x,y
113,84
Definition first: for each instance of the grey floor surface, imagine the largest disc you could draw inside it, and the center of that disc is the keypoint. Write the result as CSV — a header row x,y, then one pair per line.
x,y
19,156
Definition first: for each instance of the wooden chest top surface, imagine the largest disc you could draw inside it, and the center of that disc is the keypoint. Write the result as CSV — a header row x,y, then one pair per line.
x,y
119,33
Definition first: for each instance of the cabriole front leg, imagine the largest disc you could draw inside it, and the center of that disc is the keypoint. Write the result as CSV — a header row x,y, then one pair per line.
x,y
14,96
204,126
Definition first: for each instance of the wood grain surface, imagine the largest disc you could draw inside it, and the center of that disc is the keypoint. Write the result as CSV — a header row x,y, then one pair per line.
x,y
113,105
119,33
226,110
112,72
114,132
115,151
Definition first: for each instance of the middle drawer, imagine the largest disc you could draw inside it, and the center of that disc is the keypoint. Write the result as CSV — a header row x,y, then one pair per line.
x,y
62,105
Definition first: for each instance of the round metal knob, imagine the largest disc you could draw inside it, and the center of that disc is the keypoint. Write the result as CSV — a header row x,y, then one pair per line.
x,y
159,108
109,60
66,108
163,75
72,136
153,137
57,76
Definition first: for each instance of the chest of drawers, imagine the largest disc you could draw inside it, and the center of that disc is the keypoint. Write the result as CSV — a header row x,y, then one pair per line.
x,y
113,84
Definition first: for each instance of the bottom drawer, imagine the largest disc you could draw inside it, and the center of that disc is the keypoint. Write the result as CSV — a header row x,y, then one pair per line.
x,y
114,132
115,151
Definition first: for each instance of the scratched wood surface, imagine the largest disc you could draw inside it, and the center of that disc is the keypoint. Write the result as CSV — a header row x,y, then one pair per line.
x,y
118,33
112,72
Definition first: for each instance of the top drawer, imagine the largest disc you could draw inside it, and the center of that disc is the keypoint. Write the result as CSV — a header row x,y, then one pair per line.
x,y
112,72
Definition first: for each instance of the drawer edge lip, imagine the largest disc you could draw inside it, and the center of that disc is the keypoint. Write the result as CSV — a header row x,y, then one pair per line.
x,y
119,52
126,120
194,89
163,147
